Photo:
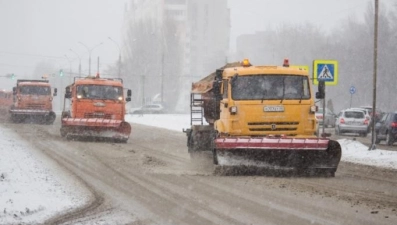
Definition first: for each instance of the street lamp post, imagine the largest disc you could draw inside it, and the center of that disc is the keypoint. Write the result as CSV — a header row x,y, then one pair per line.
x,y
119,62
79,61
89,54
70,67
162,40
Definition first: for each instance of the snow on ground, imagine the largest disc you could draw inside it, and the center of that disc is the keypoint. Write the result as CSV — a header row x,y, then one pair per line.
x,y
33,188
352,151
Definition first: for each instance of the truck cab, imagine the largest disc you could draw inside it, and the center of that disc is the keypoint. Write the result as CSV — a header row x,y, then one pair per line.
x,y
33,99
95,107
266,100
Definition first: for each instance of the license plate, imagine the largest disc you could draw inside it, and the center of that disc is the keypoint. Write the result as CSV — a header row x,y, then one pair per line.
x,y
274,108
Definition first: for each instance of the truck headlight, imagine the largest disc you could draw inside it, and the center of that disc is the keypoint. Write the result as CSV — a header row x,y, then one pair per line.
x,y
313,109
233,110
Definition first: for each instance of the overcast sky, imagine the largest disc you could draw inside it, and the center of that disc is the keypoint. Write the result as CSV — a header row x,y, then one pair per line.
x,y
45,30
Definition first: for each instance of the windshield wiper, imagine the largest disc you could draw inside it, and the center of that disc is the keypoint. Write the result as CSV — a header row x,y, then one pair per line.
x,y
300,99
263,96
282,98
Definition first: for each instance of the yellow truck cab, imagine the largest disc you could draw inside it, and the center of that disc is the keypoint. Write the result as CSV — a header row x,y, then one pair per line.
x,y
263,100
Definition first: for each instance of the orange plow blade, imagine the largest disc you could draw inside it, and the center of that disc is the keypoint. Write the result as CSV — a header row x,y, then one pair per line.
x,y
96,127
279,153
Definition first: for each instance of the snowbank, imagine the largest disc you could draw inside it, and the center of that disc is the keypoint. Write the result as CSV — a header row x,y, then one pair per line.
x,y
33,188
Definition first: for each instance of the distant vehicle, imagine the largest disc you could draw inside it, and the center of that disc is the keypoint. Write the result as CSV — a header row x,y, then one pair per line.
x,y
32,99
150,109
352,121
367,115
386,129
330,117
378,113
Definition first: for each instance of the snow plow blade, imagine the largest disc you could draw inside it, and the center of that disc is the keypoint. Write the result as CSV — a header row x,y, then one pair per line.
x,y
299,154
117,130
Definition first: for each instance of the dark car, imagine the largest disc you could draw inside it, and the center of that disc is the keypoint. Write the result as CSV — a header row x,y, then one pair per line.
x,y
386,128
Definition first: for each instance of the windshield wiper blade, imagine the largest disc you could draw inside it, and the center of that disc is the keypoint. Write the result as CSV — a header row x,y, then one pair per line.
x,y
263,96
300,99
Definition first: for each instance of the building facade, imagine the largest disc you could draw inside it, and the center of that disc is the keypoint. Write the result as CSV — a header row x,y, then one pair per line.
x,y
201,28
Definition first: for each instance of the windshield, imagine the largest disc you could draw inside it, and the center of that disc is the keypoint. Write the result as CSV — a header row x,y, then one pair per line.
x,y
354,114
262,87
99,92
35,90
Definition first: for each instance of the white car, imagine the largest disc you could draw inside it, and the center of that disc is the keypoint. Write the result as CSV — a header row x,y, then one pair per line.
x,y
352,121
150,109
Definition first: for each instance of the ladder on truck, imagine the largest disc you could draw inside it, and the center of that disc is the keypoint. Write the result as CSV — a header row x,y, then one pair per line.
x,y
196,109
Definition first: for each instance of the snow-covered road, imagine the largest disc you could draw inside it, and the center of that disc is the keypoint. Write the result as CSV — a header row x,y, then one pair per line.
x,y
34,188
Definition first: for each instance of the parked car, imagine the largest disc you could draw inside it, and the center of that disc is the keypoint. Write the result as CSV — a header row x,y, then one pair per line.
x,y
150,109
378,113
386,128
367,115
330,117
352,121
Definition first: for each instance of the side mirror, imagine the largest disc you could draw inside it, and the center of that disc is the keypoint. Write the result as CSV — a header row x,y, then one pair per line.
x,y
68,93
14,90
55,91
321,90
128,99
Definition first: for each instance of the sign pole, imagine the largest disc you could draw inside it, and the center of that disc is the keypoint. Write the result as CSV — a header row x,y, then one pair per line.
x,y
373,135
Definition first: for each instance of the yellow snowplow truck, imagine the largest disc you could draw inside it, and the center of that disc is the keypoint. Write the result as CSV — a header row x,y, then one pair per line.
x,y
260,116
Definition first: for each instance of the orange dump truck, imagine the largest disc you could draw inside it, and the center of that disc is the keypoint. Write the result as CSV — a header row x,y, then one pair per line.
x,y
260,116
96,109
32,99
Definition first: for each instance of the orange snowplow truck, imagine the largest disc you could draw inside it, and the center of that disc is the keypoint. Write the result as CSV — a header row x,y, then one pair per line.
x,y
260,116
32,99
96,109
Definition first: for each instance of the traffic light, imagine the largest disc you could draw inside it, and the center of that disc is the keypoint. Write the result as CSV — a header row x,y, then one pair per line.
x,y
61,73
12,76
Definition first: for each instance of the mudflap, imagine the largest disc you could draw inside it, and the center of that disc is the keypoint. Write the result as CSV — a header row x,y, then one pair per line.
x,y
102,129
199,140
311,156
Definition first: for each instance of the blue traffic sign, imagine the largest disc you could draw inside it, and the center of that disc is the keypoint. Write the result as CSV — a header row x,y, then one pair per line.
x,y
325,70
352,89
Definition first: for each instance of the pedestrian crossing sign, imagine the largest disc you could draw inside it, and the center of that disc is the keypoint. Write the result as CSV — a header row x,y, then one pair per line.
x,y
325,70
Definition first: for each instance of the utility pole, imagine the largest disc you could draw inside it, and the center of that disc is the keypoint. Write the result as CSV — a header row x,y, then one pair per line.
x,y
89,54
97,69
79,61
373,135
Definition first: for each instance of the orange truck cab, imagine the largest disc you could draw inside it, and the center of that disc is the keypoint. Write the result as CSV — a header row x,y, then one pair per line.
x,y
32,99
96,108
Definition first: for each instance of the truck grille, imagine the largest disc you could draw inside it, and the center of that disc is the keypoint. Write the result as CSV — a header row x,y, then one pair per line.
x,y
98,115
273,126
35,106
